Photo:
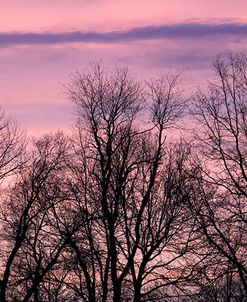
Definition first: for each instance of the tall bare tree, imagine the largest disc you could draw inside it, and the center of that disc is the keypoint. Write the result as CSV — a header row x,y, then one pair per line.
x,y
221,111
126,180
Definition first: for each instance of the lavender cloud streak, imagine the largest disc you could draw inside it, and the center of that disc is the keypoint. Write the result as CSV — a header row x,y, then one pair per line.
x,y
175,31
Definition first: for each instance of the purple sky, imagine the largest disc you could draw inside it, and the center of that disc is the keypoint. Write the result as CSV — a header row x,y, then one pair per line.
x,y
43,42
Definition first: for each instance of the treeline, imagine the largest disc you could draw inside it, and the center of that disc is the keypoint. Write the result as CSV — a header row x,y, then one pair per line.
x,y
123,209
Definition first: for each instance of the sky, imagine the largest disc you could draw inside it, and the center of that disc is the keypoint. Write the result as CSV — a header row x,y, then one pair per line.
x,y
43,42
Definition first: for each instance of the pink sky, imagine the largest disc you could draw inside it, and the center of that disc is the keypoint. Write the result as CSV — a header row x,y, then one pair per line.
x,y
40,15
43,42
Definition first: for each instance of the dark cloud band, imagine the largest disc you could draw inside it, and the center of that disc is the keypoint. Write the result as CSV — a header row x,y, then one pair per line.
x,y
175,31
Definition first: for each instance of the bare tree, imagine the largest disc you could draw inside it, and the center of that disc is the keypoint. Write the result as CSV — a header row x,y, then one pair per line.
x,y
12,150
32,244
220,208
125,179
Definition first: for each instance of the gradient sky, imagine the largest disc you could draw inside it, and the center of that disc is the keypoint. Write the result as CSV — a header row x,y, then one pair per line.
x,y
42,42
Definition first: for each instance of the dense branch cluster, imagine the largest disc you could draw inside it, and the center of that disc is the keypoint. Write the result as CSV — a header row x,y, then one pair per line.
x,y
124,209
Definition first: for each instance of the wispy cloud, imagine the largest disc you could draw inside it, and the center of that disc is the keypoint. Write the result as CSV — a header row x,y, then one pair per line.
x,y
174,31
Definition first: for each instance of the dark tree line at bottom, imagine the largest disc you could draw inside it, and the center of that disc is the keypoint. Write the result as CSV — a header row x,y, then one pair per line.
x,y
126,208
